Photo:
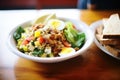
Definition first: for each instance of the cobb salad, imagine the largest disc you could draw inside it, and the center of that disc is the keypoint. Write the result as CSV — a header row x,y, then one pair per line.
x,y
49,36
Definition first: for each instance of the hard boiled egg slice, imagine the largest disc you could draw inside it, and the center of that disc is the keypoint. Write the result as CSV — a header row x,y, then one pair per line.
x,y
66,51
56,24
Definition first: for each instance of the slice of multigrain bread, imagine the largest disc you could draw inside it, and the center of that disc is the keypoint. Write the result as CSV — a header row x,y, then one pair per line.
x,y
108,34
112,27
114,51
106,41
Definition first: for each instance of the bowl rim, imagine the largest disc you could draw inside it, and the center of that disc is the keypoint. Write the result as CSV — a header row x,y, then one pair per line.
x,y
87,30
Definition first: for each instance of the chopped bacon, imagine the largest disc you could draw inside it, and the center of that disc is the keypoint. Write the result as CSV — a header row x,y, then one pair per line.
x,y
66,44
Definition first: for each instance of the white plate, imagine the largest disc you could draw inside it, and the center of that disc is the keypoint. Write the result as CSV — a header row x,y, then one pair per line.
x,y
79,25
94,26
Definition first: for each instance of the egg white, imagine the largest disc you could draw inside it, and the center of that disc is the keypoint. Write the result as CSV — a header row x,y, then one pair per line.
x,y
67,51
56,24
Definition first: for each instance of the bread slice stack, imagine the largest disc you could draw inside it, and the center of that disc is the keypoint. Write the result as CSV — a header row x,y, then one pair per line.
x,y
108,34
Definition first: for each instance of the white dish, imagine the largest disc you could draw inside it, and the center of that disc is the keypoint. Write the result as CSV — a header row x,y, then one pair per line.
x,y
79,25
94,26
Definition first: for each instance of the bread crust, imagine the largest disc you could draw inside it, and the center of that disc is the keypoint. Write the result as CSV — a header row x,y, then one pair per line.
x,y
111,36
110,42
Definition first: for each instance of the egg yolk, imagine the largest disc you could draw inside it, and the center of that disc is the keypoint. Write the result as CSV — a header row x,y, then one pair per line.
x,y
55,24
67,51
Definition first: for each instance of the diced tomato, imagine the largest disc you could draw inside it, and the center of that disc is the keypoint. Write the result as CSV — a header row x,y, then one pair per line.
x,y
41,39
25,42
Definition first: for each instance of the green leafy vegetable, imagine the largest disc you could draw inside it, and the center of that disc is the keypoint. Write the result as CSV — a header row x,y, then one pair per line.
x,y
38,52
75,37
17,34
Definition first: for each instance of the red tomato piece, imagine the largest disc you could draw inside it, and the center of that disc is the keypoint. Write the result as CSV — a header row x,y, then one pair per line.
x,y
41,39
25,42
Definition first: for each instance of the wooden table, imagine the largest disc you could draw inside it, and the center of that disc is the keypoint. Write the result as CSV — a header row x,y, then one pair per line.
x,y
91,65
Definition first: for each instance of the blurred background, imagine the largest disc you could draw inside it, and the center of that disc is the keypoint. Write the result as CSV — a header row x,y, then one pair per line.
x,y
53,4
36,4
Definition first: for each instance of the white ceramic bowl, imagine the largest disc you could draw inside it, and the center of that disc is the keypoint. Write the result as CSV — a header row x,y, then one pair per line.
x,y
94,26
79,25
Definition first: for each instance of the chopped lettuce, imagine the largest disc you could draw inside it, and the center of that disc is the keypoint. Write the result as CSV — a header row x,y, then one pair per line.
x,y
76,38
18,32
37,52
